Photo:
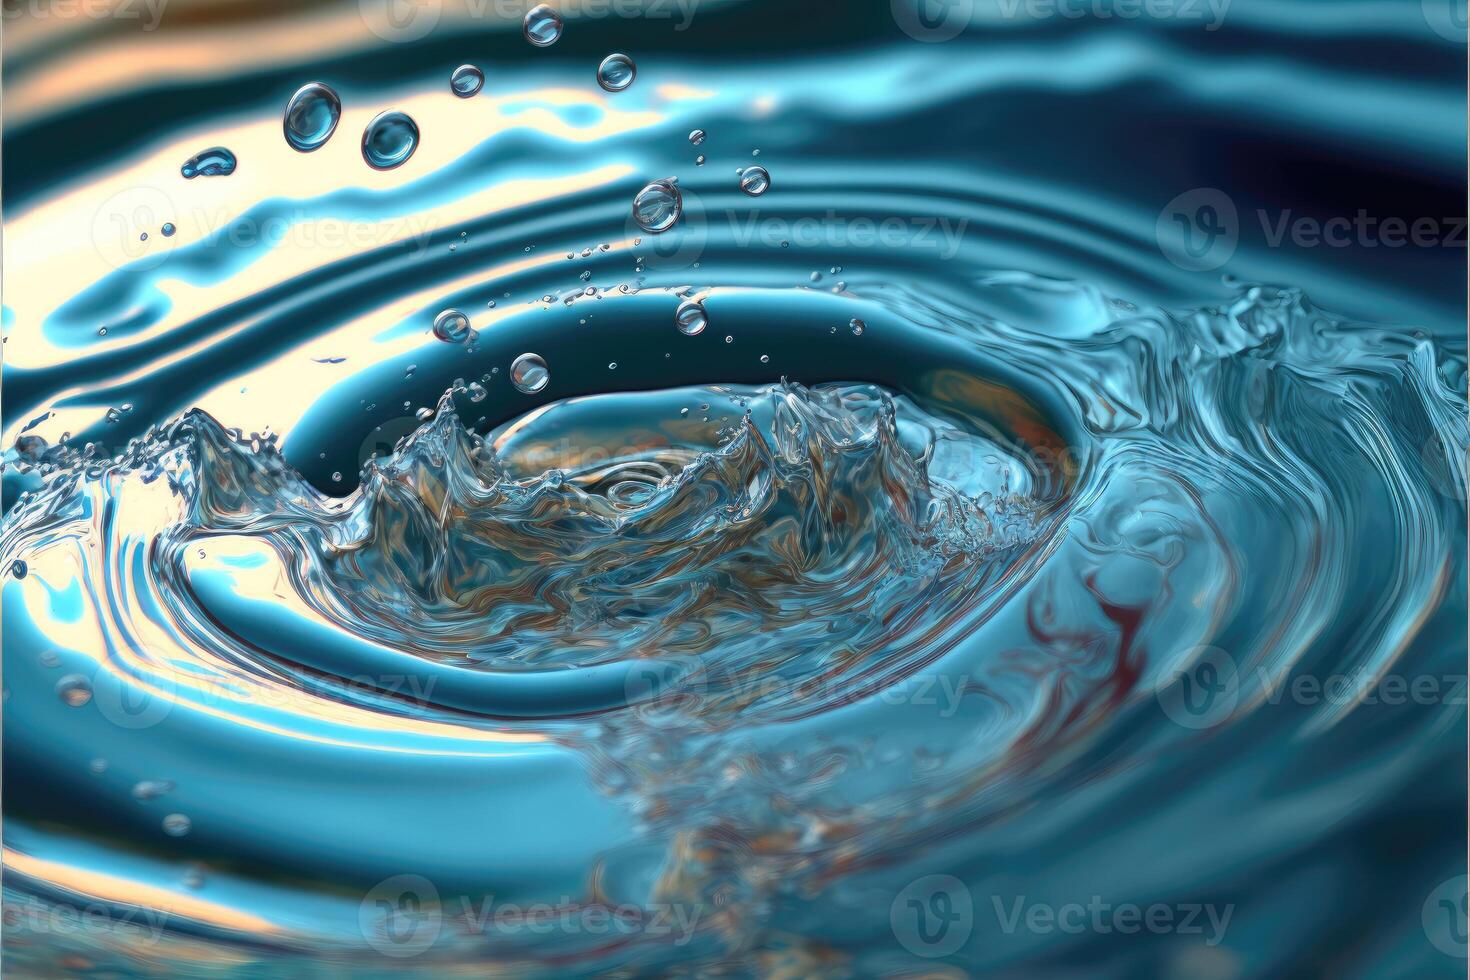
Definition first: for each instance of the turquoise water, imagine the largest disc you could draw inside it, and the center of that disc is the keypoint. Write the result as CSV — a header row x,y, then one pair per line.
x,y
1046,559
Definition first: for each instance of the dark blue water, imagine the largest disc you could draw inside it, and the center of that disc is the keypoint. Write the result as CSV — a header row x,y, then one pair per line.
x,y
1048,558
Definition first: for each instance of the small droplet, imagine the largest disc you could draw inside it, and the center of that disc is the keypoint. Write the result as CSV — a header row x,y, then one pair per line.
x,y
857,326
311,117
143,237
98,766
168,229
529,373
765,358
452,327
616,72
74,689
755,181
696,137
699,160
177,825
389,140
542,25
612,366
19,568
466,81
691,318
151,789
337,476
213,162
658,205
50,658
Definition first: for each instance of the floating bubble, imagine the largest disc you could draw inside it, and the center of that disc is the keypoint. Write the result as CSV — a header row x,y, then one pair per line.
x,y
691,318
658,205
213,162
311,117
177,825
755,181
542,25
529,373
765,358
74,689
696,137
389,140
616,72
466,81
452,326
168,229
857,326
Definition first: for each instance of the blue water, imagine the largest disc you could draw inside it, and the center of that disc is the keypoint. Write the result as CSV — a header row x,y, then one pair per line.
x,y
1047,560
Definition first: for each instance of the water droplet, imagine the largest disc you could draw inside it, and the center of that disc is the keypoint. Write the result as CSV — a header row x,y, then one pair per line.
x,y
19,568
765,358
691,318
150,789
699,160
542,25
612,366
658,205
74,689
311,117
337,476
50,658
857,326
696,137
168,229
98,766
466,81
213,162
177,825
729,339
389,140
755,181
529,373
452,326
616,72
143,237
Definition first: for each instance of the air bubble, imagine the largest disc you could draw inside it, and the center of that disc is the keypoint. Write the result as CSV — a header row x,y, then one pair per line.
x,y
529,373
311,117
